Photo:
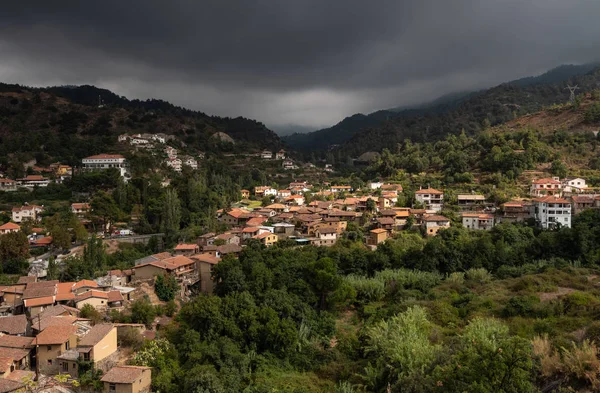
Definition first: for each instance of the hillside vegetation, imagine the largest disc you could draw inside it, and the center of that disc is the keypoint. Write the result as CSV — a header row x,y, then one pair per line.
x,y
67,123
469,112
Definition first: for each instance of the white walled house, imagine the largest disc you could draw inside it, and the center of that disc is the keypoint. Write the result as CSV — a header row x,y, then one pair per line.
x,y
574,184
266,155
374,185
174,163
478,221
552,211
190,161
431,198
106,161
27,213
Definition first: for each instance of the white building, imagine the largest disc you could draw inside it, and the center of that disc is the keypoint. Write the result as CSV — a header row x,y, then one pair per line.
x,y
431,198
265,191
32,181
191,162
289,165
266,155
478,221
27,213
174,163
552,211
280,155
171,152
574,184
8,185
374,185
123,138
138,141
106,161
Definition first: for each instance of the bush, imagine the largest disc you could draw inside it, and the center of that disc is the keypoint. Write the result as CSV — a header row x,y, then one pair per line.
x,y
479,276
457,278
130,337
592,333
88,311
521,306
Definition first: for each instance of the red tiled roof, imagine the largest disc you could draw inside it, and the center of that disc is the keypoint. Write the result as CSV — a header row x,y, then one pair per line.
x,y
104,156
114,296
39,301
546,180
207,258
552,199
64,287
10,341
186,247
435,218
429,191
96,334
85,284
90,294
9,225
13,324
54,335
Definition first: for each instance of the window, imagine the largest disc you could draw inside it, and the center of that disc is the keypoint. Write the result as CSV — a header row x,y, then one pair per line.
x,y
67,345
65,366
48,348
112,387
49,362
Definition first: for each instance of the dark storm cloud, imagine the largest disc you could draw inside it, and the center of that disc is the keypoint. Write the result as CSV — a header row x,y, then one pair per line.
x,y
307,62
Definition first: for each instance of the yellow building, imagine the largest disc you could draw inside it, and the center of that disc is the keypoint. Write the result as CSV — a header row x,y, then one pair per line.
x,y
50,344
127,379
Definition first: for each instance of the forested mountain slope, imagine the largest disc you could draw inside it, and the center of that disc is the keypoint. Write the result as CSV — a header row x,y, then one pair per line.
x,y
469,111
67,123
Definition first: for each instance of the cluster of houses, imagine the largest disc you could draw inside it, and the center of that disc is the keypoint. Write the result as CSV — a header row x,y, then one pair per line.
x,y
58,173
145,140
42,333
176,162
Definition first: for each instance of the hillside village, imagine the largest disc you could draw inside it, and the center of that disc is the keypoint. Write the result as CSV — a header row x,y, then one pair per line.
x,y
103,257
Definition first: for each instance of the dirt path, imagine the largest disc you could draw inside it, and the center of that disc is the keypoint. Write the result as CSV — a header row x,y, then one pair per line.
x,y
562,291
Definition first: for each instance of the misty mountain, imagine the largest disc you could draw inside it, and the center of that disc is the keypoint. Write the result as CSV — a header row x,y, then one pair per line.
x,y
345,130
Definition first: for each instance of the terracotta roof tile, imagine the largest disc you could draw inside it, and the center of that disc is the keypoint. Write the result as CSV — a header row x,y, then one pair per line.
x,y
96,334
10,341
124,374
13,324
54,335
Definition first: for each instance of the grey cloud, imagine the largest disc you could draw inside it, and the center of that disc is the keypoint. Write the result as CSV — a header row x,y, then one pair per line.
x,y
309,62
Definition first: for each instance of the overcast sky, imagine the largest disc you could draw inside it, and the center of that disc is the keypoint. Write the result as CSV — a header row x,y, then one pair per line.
x,y
309,62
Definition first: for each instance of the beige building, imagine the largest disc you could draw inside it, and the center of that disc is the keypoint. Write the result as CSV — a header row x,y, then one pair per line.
x,y
205,264
267,238
50,344
98,346
127,379
97,299
178,266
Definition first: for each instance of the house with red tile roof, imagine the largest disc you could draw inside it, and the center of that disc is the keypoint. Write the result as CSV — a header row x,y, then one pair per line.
x,y
9,227
50,344
430,198
545,186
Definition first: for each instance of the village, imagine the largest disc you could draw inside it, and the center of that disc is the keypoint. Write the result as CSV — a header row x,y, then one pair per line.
x,y
43,331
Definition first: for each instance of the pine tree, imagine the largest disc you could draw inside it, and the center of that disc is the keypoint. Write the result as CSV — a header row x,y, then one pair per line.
x,y
171,215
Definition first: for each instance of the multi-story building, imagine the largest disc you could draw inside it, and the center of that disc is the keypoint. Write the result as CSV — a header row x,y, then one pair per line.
x,y
434,223
431,198
106,161
516,211
478,221
27,213
8,185
552,211
545,186
574,184
32,181
174,163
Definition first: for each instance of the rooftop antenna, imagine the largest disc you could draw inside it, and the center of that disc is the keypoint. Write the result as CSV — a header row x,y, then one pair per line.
x,y
572,89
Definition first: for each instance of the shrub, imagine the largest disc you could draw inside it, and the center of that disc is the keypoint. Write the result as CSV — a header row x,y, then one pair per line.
x,y
131,337
592,333
521,306
479,276
457,278
549,358
582,363
367,289
409,279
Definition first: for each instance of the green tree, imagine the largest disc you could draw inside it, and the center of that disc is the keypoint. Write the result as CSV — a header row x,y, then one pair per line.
x,y
170,220
52,272
88,311
104,206
142,311
166,287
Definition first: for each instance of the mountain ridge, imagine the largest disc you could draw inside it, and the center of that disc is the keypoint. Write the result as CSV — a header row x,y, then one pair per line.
x,y
342,132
